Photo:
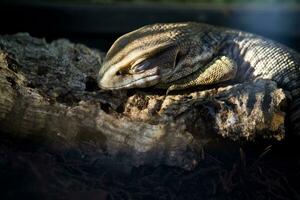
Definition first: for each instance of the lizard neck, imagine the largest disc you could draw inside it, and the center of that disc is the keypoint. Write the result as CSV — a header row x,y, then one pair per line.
x,y
233,47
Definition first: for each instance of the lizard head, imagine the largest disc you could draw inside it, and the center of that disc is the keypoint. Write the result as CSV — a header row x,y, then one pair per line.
x,y
153,54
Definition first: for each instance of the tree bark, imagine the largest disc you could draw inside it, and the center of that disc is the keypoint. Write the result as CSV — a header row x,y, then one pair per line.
x,y
49,90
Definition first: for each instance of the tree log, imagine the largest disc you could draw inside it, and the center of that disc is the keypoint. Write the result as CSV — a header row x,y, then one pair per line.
x,y
49,90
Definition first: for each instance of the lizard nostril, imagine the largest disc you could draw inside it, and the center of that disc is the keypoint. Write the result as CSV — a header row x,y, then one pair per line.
x,y
118,73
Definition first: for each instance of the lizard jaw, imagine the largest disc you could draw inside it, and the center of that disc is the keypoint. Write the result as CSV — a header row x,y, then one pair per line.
x,y
146,79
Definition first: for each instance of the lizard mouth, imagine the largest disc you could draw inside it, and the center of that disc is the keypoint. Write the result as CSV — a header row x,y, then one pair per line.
x,y
141,78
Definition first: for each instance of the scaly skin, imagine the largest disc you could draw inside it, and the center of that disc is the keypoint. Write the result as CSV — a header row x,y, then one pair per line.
x,y
181,55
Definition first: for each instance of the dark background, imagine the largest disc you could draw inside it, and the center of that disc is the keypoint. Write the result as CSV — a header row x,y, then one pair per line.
x,y
99,24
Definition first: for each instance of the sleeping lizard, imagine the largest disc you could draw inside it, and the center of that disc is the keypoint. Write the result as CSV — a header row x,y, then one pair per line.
x,y
176,56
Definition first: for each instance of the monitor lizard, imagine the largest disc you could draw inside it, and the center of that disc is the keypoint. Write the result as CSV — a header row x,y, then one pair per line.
x,y
176,56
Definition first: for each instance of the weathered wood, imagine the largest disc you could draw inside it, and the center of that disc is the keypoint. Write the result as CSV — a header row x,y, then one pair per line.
x,y
50,90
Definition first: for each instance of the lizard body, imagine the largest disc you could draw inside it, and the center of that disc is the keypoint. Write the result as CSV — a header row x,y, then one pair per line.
x,y
181,55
